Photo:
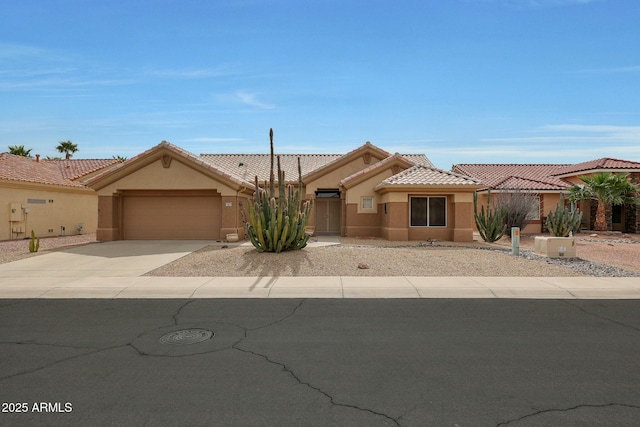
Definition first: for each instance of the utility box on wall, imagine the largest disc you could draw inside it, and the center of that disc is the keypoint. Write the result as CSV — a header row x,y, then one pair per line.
x,y
15,212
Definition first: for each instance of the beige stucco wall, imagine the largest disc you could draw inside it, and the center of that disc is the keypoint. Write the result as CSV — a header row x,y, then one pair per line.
x,y
361,224
65,207
155,176
365,188
331,179
395,223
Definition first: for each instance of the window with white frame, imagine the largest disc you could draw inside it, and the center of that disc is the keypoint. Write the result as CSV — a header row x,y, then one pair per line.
x,y
366,203
428,211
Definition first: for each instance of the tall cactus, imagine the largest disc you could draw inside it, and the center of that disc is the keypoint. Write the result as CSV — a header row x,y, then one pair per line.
x,y
563,221
491,223
278,223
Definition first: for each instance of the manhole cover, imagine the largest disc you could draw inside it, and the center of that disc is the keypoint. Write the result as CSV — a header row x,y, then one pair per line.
x,y
186,337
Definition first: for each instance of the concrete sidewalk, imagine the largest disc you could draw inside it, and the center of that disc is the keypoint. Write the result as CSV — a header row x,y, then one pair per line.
x,y
38,286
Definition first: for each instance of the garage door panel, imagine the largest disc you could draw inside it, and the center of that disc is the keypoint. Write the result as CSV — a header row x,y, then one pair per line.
x,y
171,217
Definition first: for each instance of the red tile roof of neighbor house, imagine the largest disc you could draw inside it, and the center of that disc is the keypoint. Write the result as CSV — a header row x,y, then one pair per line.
x,y
77,168
605,163
26,169
519,176
519,183
425,175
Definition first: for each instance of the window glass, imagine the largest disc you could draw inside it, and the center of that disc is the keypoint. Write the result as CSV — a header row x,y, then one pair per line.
x,y
418,211
534,214
367,203
429,211
437,211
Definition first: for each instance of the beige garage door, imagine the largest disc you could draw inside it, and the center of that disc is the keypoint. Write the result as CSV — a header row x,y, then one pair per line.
x,y
184,215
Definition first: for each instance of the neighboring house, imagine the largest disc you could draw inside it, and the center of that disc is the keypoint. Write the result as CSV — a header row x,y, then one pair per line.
x,y
548,181
169,193
47,196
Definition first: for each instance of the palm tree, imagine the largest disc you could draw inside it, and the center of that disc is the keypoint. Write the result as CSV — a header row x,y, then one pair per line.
x,y
606,188
121,159
19,150
68,148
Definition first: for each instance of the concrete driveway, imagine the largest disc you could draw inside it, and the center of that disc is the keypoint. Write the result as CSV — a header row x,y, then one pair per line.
x,y
109,259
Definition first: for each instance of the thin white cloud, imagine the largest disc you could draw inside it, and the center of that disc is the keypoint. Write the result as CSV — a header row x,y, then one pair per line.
x,y
59,83
572,133
252,100
537,3
610,70
194,73
213,139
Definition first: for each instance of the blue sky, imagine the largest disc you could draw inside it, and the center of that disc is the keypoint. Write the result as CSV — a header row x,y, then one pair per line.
x,y
462,81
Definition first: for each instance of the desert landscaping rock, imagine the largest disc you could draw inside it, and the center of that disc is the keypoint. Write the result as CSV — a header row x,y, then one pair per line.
x,y
383,258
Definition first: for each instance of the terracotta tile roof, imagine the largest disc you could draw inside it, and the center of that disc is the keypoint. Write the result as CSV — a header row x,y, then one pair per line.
x,y
599,164
377,165
519,183
522,176
247,166
418,159
77,168
25,169
177,150
424,175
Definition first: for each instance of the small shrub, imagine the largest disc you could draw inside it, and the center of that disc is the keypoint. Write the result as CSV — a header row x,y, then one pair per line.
x,y
34,243
518,207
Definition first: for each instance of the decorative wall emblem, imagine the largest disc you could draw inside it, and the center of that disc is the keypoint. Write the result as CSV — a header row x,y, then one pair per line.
x,y
166,161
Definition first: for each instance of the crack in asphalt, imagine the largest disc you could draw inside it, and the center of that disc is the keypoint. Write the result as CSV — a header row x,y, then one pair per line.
x,y
573,408
177,313
49,345
585,311
293,375
57,362
318,389
279,320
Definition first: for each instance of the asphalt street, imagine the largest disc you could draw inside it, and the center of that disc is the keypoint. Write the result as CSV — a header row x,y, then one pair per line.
x,y
320,362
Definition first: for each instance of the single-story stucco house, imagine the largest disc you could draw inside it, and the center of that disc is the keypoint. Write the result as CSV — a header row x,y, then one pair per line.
x,y
48,196
548,181
169,193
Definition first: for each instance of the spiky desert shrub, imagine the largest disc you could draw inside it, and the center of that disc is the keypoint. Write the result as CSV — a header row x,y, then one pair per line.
x,y
490,221
563,220
277,222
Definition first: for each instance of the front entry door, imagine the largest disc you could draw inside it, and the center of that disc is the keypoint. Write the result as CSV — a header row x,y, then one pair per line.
x,y
328,214
617,218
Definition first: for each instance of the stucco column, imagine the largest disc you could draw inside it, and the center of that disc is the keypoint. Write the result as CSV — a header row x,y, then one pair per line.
x,y
463,217
108,218
230,219
395,221
311,223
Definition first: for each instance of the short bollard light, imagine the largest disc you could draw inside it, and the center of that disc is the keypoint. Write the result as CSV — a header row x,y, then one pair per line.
x,y
515,241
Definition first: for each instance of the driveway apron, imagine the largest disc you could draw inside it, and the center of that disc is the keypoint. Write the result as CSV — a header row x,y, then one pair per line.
x,y
109,259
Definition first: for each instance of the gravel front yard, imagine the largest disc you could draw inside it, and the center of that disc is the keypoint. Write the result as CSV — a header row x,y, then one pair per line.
x,y
602,256
346,260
